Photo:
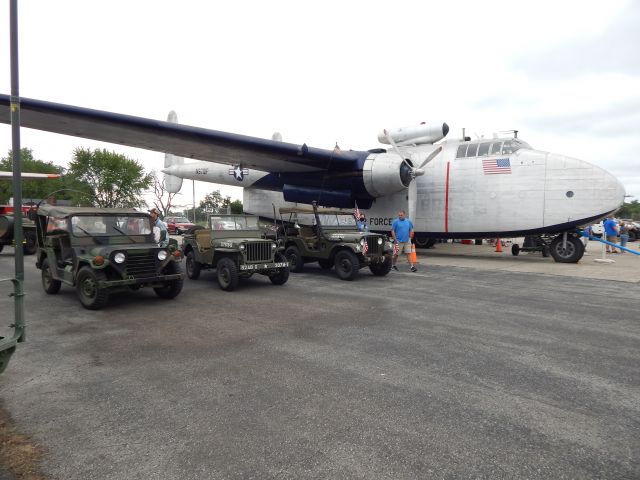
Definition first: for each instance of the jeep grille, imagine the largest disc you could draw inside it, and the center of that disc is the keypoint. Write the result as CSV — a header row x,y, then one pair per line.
x,y
141,264
258,251
374,248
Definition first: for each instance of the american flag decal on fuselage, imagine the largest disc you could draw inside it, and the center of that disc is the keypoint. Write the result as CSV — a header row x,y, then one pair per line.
x,y
495,166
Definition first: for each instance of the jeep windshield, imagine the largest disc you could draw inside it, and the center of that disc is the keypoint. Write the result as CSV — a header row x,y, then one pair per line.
x,y
109,225
234,222
338,221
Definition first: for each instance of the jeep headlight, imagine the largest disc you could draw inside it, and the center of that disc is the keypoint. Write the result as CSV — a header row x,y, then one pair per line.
x,y
119,257
380,241
273,246
162,255
242,246
362,242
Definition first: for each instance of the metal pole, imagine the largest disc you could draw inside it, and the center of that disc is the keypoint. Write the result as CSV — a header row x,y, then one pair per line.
x,y
17,175
194,200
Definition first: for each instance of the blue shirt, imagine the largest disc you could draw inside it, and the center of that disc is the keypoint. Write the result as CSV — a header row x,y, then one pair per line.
x,y
163,241
362,226
402,229
610,227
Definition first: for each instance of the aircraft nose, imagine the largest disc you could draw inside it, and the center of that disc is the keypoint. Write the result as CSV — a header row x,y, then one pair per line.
x,y
579,189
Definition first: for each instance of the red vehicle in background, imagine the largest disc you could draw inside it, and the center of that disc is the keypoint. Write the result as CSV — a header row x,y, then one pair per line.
x,y
178,225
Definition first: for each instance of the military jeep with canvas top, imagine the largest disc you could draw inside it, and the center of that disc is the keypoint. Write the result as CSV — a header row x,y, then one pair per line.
x,y
236,247
331,238
101,251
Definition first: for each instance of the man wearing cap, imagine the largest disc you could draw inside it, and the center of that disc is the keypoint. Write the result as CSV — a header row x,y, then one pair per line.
x,y
160,232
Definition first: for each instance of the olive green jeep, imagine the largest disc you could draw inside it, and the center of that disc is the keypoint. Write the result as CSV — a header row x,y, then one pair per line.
x,y
331,238
236,246
100,251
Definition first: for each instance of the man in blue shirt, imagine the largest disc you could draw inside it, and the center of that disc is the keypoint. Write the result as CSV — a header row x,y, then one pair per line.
x,y
611,231
362,224
402,233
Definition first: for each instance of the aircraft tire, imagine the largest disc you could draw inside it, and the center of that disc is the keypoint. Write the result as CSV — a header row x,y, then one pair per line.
x,y
172,288
571,254
91,296
515,249
193,266
296,263
227,274
424,242
347,264
49,284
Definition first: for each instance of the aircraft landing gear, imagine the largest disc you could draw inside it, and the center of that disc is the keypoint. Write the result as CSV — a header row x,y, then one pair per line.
x,y
567,248
424,242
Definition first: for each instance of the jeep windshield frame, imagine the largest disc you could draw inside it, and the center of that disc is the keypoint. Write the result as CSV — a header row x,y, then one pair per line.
x,y
243,223
110,226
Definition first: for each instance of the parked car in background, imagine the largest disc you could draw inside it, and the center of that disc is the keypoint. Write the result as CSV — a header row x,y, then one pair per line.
x,y
178,225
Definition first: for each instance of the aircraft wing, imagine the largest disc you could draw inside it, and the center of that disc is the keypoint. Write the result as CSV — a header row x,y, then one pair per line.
x,y
181,140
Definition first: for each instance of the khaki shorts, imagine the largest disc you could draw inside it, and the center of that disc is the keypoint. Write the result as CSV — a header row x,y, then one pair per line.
x,y
404,247
612,238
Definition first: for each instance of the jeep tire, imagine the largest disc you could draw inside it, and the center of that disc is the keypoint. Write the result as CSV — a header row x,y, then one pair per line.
x,y
282,276
325,263
171,288
347,264
296,263
227,274
91,296
193,266
29,247
49,284
381,269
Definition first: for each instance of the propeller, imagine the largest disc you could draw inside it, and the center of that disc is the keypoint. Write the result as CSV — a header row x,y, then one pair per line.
x,y
412,194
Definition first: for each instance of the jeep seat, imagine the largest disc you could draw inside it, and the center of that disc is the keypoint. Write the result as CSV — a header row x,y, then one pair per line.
x,y
203,239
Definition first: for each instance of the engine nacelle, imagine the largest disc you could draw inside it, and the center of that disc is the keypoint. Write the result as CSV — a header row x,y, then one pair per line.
x,y
386,173
416,135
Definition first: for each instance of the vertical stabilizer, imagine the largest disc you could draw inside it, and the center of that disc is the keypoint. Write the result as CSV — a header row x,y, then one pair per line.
x,y
173,183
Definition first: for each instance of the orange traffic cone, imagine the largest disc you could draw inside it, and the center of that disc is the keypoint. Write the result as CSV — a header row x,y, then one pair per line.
x,y
413,257
498,246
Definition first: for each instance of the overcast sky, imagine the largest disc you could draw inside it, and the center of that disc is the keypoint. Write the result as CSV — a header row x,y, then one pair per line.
x,y
565,74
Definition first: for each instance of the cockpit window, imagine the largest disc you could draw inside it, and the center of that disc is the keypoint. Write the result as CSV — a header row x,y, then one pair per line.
x,y
514,145
483,149
471,151
462,149
496,148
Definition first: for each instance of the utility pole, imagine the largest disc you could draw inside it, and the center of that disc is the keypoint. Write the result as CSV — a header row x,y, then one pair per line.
x,y
7,346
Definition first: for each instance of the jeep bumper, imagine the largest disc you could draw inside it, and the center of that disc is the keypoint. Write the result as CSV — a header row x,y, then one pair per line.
x,y
156,279
255,267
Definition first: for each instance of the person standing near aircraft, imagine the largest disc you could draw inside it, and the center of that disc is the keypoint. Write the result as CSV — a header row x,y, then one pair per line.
x,y
402,233
624,234
611,231
160,232
362,224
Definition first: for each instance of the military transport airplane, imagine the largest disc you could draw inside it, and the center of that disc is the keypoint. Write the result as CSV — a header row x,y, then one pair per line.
x,y
461,188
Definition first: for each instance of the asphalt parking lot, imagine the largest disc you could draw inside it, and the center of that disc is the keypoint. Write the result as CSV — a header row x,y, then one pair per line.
x,y
458,371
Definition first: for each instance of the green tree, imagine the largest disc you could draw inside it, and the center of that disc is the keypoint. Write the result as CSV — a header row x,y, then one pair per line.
x,y
36,189
236,207
111,178
214,202
630,210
